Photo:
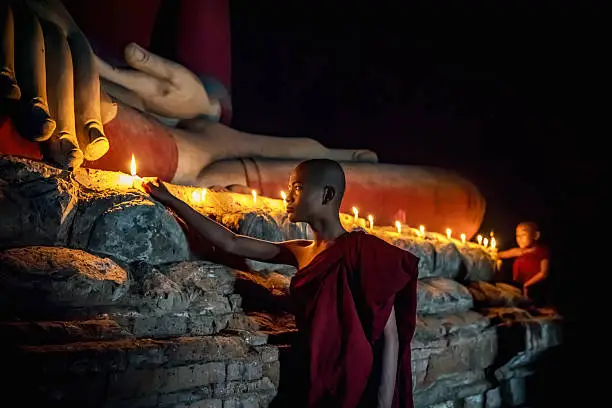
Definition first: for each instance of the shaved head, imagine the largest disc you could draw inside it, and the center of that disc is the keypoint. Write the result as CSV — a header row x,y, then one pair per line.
x,y
323,173
316,188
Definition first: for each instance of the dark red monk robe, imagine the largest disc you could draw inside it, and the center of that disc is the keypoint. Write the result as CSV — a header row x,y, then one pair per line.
x,y
528,265
342,301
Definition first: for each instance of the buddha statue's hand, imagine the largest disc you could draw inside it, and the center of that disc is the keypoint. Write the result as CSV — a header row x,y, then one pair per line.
x,y
49,83
157,85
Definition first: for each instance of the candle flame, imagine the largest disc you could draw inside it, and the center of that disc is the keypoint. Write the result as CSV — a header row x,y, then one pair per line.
x,y
463,238
371,220
479,239
485,242
422,229
195,196
283,195
449,232
398,225
254,193
133,166
493,243
204,191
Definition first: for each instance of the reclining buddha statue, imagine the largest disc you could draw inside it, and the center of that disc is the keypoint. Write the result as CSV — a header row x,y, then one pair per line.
x,y
89,84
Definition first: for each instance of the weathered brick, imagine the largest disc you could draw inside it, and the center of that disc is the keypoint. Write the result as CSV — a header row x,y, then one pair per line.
x,y
267,353
232,388
207,403
244,370
191,376
271,370
146,354
205,349
235,302
253,338
150,326
202,325
134,383
189,396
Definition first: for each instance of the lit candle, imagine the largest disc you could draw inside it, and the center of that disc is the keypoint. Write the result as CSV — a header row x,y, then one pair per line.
x,y
422,229
485,242
463,238
203,194
479,239
254,193
356,213
133,171
195,196
371,220
133,166
449,232
493,243
284,197
398,225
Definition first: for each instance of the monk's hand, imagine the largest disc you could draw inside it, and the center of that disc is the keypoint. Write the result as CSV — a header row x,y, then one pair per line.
x,y
158,190
157,85
49,82
525,291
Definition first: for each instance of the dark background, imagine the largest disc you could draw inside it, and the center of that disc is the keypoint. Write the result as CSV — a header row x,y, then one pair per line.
x,y
494,92
505,94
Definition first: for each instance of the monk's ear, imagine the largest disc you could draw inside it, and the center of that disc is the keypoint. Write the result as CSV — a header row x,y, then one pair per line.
x,y
536,235
329,193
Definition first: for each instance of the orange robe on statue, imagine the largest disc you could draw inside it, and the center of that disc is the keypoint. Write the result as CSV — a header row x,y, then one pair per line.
x,y
342,301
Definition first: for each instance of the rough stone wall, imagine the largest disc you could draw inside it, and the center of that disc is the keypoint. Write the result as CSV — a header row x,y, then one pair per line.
x,y
104,303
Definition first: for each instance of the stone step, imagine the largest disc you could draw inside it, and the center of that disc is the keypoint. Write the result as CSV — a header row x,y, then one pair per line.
x,y
61,332
145,372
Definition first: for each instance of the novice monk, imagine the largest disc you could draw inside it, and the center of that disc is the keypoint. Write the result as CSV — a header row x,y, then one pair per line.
x,y
354,294
531,264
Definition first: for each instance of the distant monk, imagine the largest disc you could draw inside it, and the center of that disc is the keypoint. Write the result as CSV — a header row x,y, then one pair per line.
x,y
354,294
531,266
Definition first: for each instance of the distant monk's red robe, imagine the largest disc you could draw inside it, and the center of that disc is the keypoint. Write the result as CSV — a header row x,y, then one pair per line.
x,y
342,302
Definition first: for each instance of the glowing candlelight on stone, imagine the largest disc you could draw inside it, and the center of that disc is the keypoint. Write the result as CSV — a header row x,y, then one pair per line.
x,y
398,225
195,196
422,229
449,232
485,242
284,197
356,213
479,239
463,238
371,220
254,194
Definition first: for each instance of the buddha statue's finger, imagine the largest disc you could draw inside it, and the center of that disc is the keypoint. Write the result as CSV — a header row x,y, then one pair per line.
x,y
88,117
31,116
9,90
62,148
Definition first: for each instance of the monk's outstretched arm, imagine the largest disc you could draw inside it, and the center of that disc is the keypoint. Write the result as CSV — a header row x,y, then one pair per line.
x,y
219,235
390,355
513,252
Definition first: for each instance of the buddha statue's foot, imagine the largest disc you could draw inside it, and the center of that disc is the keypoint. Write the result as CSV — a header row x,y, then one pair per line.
x,y
9,90
365,156
34,121
64,152
95,144
239,188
